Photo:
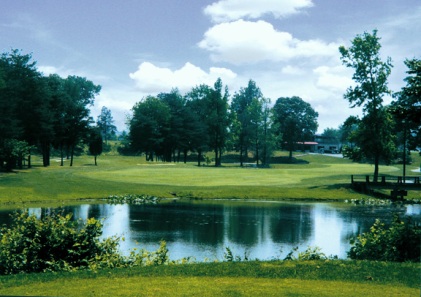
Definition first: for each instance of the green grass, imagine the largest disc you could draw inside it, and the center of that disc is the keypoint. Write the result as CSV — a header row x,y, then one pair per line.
x,y
277,278
316,177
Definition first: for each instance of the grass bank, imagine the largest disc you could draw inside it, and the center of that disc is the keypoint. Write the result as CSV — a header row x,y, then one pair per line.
x,y
277,278
314,177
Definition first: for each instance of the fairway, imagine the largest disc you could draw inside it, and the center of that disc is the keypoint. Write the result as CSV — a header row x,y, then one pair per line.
x,y
188,175
313,177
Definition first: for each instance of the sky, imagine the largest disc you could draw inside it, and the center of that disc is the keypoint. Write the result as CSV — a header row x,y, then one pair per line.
x,y
136,48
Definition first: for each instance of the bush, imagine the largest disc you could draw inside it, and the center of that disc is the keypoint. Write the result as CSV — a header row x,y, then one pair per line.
x,y
51,244
400,242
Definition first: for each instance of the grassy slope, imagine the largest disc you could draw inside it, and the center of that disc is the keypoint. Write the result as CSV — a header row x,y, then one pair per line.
x,y
321,178
306,278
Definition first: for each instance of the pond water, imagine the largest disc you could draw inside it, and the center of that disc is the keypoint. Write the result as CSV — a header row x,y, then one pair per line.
x,y
262,230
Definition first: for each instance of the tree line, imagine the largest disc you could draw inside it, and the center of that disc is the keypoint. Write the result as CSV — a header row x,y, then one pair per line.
x,y
41,112
168,126
50,112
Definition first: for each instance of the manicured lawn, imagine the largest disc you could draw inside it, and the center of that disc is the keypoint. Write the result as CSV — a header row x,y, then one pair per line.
x,y
277,278
317,177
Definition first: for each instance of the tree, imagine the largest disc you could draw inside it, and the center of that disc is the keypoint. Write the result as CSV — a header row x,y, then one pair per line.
x,y
95,142
199,130
218,119
24,103
177,138
334,135
407,107
81,93
105,123
296,120
370,76
268,139
246,108
149,127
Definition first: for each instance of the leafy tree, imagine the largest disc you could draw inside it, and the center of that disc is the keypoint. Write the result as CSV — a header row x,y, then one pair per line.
x,y
178,135
370,76
199,130
296,120
407,107
218,119
81,93
246,108
332,134
59,102
268,138
95,143
149,127
105,122
24,103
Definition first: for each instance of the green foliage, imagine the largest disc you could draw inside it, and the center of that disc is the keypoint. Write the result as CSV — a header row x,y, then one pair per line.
x,y
230,257
374,133
132,199
56,243
296,120
310,254
53,243
400,242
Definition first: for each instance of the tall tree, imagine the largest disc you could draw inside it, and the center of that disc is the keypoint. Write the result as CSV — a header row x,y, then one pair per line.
x,y
296,120
246,108
218,119
177,139
95,142
371,74
407,106
24,103
149,127
199,130
81,94
105,123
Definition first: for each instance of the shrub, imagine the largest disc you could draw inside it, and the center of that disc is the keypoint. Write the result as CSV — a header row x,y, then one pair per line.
x,y
52,243
400,242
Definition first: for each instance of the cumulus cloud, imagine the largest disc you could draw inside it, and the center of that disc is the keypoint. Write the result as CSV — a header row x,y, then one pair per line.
x,y
229,10
245,42
336,79
154,79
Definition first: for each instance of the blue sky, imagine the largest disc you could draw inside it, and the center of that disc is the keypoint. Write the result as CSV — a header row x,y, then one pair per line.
x,y
134,48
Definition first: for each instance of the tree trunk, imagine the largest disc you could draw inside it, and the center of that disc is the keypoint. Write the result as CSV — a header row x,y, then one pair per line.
x,y
185,155
71,155
61,155
95,160
29,159
199,157
257,153
241,156
376,168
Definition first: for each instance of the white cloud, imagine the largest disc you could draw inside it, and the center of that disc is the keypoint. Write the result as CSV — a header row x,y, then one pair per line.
x,y
292,70
154,79
229,10
244,42
336,79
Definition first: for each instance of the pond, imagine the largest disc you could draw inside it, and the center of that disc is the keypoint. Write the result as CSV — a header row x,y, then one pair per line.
x,y
262,230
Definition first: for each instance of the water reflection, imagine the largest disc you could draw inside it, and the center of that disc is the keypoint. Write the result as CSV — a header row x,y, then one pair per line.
x,y
260,230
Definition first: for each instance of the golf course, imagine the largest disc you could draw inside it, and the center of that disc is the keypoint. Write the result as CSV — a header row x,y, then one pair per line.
x,y
312,177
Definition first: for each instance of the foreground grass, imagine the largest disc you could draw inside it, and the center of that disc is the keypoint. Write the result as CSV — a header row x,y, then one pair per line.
x,y
277,278
317,177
